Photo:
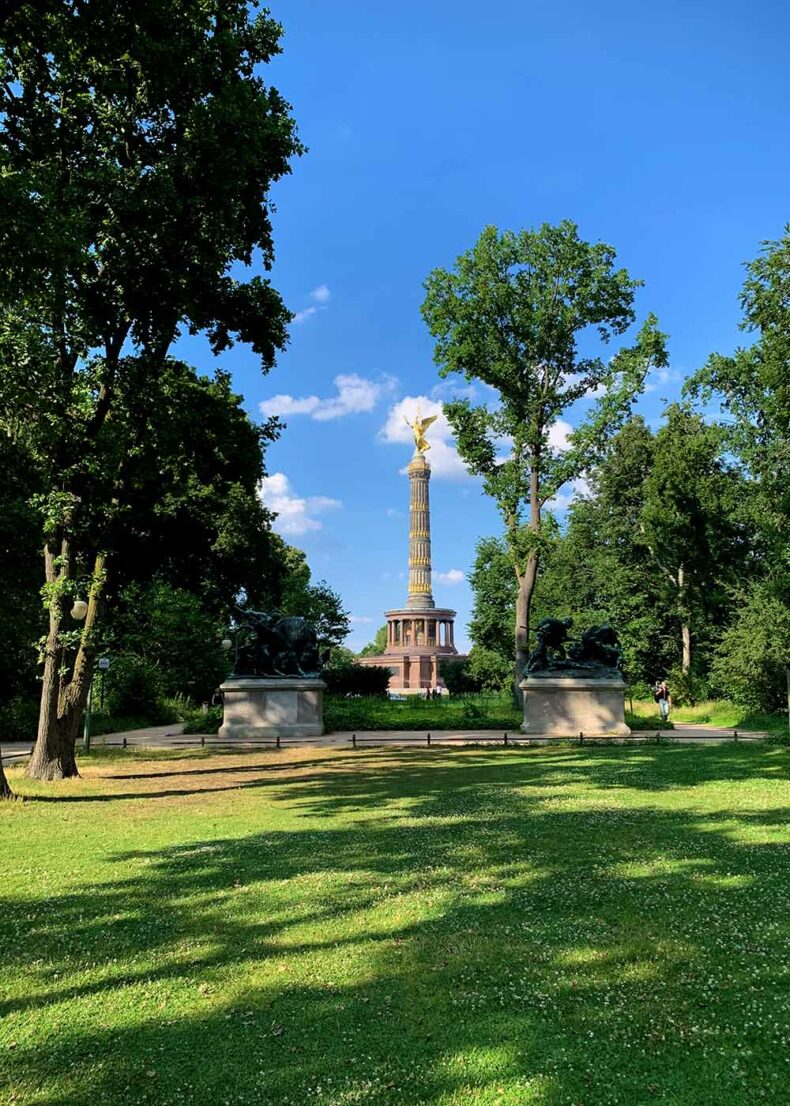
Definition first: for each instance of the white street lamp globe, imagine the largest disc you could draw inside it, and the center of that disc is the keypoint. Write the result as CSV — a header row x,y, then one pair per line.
x,y
79,610
226,644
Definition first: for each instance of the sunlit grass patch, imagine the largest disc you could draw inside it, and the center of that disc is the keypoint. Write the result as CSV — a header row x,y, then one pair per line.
x,y
443,927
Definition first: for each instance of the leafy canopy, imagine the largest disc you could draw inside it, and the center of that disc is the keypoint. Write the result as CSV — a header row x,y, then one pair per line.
x,y
519,313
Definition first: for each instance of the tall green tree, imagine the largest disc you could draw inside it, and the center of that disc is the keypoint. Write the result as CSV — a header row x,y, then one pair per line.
x,y
601,570
690,521
748,393
317,602
138,143
513,314
750,390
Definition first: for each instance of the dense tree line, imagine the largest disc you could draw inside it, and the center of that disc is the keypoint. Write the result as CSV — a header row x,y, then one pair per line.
x,y
682,540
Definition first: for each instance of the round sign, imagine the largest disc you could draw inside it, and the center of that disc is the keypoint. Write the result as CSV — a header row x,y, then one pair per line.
x,y
104,663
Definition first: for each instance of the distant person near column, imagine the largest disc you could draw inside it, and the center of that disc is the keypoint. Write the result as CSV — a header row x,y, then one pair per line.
x,y
663,698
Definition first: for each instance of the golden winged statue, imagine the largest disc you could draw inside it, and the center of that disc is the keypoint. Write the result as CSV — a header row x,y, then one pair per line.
x,y
419,426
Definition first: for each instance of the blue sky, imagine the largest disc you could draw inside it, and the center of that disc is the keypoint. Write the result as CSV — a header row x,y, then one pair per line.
x,y
661,128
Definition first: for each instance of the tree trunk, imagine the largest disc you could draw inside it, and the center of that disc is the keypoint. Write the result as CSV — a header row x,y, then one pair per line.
x,y
5,790
526,587
685,633
63,703
58,729
522,632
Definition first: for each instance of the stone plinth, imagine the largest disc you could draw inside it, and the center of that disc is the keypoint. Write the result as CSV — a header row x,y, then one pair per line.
x,y
272,708
566,707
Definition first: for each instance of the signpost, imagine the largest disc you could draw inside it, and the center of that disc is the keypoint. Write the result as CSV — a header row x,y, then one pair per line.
x,y
104,664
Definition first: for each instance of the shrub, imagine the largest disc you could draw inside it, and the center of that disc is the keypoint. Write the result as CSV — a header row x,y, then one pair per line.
x,y
749,664
457,678
203,721
19,720
357,679
134,687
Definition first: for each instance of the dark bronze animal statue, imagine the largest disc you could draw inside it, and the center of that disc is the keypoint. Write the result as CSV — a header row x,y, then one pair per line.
x,y
597,653
598,646
551,635
268,644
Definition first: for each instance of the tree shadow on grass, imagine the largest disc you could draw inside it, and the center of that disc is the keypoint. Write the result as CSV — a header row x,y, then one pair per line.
x,y
497,931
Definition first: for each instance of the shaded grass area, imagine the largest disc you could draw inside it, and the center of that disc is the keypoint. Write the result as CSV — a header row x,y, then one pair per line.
x,y
489,927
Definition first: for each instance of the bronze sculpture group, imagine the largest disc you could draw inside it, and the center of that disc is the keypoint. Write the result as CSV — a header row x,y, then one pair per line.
x,y
597,653
270,645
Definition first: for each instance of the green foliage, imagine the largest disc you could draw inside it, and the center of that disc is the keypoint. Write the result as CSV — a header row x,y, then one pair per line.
x,y
456,677
454,712
198,721
357,679
511,314
171,629
752,653
752,389
134,687
494,587
341,657
490,671
18,719
20,572
318,603
138,143
690,523
376,647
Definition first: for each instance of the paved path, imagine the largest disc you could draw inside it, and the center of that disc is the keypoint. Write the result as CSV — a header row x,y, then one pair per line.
x,y
172,737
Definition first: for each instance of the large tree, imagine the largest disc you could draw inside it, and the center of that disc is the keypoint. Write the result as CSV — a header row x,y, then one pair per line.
x,y
690,523
317,602
600,569
521,313
749,397
138,143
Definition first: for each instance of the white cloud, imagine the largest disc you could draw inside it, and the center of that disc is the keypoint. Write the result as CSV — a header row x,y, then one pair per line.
x,y
442,455
577,489
321,294
393,512
355,394
300,316
660,378
294,513
360,620
453,576
559,433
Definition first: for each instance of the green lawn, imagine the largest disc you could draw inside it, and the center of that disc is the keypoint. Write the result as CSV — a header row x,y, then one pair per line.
x,y
502,927
718,712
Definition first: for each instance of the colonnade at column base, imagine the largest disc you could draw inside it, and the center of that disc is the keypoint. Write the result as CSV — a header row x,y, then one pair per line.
x,y
417,640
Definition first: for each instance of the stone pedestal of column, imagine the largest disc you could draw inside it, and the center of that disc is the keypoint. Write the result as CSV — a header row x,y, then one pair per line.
x,y
566,707
272,708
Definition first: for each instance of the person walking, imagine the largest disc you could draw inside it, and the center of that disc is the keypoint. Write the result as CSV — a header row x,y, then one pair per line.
x,y
663,698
